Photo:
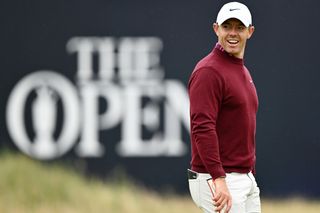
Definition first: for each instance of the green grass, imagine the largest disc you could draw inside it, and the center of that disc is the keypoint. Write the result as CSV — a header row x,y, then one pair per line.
x,y
27,186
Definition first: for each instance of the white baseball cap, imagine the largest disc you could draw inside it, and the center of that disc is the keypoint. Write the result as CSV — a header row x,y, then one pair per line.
x,y
234,10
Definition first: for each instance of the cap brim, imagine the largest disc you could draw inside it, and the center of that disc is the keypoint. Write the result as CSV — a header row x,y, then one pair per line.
x,y
247,24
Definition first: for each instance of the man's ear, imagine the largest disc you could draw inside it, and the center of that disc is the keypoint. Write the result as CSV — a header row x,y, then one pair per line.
x,y
215,28
251,30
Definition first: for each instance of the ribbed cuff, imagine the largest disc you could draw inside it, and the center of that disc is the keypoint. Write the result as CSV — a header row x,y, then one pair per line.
x,y
216,172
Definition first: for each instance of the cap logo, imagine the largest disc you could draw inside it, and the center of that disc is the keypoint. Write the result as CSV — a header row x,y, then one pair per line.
x,y
234,9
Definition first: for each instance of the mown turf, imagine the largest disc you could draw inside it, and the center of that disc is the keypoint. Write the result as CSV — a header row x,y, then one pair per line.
x,y
28,185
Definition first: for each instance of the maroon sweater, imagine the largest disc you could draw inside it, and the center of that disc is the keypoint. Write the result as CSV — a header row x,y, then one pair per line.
x,y
223,107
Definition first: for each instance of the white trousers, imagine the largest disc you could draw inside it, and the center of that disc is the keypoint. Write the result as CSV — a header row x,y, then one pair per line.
x,y
243,189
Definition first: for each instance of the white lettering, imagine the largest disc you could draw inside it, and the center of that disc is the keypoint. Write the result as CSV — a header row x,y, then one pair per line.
x,y
129,79
89,144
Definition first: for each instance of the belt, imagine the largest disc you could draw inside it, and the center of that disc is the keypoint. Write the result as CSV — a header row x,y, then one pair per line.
x,y
192,174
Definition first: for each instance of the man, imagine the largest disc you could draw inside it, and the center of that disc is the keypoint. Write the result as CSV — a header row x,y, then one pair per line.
x,y
223,107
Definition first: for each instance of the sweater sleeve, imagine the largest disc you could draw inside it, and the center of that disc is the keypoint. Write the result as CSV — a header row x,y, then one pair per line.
x,y
206,93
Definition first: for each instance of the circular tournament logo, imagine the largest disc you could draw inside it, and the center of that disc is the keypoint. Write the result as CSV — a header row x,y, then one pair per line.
x,y
48,87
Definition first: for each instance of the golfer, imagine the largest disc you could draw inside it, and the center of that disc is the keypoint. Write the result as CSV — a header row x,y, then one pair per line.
x,y
223,107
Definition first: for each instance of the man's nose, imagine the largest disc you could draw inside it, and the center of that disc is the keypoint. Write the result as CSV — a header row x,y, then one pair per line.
x,y
233,31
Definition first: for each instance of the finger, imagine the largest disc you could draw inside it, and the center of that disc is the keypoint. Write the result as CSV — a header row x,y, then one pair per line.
x,y
229,204
221,200
221,205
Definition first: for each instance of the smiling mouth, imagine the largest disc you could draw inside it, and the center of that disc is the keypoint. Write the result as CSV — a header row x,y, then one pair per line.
x,y
232,42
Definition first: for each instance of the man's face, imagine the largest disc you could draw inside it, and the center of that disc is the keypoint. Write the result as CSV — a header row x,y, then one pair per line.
x,y
233,35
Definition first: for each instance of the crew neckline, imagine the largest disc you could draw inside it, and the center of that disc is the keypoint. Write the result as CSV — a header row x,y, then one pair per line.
x,y
220,50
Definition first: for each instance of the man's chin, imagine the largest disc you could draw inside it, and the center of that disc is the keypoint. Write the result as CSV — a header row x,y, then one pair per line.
x,y
232,51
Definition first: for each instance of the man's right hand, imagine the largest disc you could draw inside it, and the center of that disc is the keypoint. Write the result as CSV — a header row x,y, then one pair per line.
x,y
222,196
